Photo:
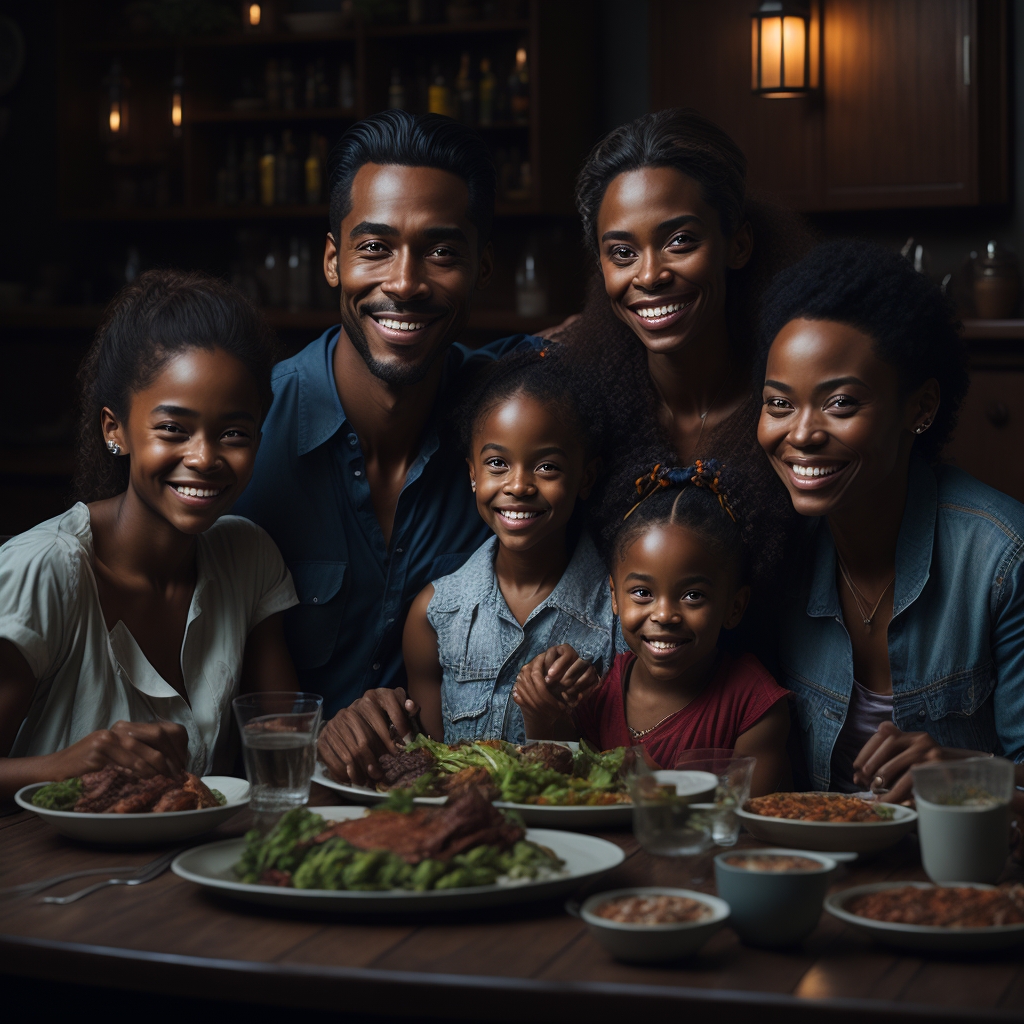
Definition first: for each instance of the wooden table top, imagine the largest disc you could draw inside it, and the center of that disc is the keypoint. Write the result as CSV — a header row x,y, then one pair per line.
x,y
532,962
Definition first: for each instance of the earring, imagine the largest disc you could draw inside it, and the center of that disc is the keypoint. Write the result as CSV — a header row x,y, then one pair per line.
x,y
472,485
923,427
113,447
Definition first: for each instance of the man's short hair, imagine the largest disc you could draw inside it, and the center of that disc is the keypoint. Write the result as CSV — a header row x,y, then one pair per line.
x,y
414,140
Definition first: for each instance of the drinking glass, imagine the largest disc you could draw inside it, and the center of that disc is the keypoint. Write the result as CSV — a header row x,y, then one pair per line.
x,y
963,818
279,732
668,818
734,774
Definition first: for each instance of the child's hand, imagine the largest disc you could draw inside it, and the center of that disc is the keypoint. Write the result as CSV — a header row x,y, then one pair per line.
x,y
546,717
567,674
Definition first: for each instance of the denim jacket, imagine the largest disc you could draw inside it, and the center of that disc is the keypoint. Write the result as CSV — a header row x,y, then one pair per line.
x,y
482,647
956,639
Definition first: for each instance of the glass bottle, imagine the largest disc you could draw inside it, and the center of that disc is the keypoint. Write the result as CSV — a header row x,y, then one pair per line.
x,y
439,99
531,295
250,173
287,185
314,171
268,171
487,84
519,89
346,89
396,91
465,92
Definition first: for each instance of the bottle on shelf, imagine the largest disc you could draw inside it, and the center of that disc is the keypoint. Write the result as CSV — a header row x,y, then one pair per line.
x,y
421,87
531,294
323,93
272,275
519,89
314,170
272,84
396,91
287,183
227,185
465,92
268,171
346,89
299,275
249,174
486,92
287,85
439,99
309,93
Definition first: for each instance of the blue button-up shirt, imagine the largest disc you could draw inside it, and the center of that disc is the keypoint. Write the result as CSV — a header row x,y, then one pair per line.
x,y
956,639
309,492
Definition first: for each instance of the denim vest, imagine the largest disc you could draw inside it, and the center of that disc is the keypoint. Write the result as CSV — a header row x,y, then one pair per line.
x,y
956,639
482,647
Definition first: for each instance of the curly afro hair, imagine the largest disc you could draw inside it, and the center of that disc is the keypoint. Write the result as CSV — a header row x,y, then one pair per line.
x,y
878,292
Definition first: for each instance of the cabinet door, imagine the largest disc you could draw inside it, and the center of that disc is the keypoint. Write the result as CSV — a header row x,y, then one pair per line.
x,y
989,438
898,124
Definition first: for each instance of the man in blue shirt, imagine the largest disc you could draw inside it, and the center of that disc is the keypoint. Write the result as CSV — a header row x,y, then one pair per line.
x,y
356,479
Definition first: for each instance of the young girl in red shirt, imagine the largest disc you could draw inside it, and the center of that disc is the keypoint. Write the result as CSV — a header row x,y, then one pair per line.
x,y
677,566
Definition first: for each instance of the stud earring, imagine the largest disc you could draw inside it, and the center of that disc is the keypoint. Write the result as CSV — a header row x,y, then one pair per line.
x,y
923,427
472,485
113,447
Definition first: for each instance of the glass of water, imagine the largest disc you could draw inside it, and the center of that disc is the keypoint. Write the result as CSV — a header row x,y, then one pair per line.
x,y
668,816
279,732
734,774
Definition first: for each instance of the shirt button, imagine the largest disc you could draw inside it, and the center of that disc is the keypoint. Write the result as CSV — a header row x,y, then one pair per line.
x,y
315,600
398,551
390,621
376,666
921,713
358,472
352,440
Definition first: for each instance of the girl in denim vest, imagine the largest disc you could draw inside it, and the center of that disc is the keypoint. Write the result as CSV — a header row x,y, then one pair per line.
x,y
679,565
538,583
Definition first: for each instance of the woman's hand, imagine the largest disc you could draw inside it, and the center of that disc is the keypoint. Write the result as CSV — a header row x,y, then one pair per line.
x,y
352,742
565,673
884,762
546,716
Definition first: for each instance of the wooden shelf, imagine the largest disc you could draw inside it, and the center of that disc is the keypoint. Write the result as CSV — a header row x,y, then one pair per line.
x,y
88,317
243,116
1008,330
258,38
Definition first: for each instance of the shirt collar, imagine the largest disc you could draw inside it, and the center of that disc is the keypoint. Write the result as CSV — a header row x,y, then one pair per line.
x,y
572,593
913,549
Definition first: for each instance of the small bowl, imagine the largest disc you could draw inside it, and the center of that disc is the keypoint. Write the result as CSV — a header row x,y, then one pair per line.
x,y
653,943
773,908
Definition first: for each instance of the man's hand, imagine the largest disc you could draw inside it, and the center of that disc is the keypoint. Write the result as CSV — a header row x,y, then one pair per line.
x,y
352,742
884,762
147,748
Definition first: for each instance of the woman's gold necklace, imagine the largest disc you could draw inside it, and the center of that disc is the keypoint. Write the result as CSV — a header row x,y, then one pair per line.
x,y
859,598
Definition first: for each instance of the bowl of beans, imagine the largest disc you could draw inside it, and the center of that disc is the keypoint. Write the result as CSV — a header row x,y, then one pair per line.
x,y
776,895
653,924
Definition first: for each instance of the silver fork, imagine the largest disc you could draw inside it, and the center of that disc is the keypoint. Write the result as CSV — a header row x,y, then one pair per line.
x,y
152,870
31,888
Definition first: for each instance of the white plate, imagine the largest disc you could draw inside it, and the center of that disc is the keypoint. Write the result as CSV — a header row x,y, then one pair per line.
x,y
916,936
142,828
610,816
854,836
212,866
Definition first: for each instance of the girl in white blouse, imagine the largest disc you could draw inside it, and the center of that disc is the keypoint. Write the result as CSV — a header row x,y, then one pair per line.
x,y
129,623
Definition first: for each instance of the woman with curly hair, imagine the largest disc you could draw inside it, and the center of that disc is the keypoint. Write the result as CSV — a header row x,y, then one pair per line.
x,y
902,636
665,342
129,622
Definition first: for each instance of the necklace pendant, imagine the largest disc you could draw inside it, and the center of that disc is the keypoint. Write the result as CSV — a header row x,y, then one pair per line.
x,y
867,624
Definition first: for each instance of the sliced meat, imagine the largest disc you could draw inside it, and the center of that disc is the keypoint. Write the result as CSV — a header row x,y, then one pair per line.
x,y
401,770
102,789
175,800
143,795
469,778
551,755
196,786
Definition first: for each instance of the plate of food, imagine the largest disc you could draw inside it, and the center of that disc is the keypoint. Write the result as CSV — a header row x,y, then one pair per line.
x,y
918,915
551,785
826,821
399,856
115,805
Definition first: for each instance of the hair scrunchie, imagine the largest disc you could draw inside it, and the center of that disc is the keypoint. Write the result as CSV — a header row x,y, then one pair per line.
x,y
705,473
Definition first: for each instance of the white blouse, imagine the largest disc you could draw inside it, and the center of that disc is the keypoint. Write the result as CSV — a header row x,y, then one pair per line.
x,y
89,678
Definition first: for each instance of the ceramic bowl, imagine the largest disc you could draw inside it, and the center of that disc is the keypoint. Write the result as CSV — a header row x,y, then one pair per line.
x,y
653,943
773,908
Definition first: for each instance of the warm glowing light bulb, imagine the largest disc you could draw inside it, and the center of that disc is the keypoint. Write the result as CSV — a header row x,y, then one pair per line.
x,y
115,117
254,14
176,110
521,56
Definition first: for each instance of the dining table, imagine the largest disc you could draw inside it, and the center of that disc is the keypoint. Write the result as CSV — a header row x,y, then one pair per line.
x,y
526,962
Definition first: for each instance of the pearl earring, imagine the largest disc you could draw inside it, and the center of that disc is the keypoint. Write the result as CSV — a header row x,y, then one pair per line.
x,y
472,484
923,427
113,447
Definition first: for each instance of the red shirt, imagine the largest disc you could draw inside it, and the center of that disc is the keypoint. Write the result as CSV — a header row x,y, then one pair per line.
x,y
741,692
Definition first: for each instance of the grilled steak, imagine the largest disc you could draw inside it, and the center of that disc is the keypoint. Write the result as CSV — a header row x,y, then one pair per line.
x,y
551,755
401,770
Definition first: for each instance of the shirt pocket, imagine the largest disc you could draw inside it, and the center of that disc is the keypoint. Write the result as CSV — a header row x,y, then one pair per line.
x,y
312,626
957,710
592,644
466,696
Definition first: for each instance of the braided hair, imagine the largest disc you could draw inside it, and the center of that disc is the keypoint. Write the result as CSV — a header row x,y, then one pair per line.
x,y
695,497
160,315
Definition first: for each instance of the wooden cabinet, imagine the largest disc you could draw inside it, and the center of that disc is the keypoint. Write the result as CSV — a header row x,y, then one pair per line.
x,y
989,438
912,109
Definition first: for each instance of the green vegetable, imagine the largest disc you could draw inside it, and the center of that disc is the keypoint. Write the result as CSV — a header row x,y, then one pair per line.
x,y
219,797
58,796
282,847
886,811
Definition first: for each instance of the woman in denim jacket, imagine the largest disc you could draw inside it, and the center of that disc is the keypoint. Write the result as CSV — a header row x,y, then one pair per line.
x,y
535,586
902,636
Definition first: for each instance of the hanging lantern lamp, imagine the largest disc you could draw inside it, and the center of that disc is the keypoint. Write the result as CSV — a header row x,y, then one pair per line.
x,y
784,49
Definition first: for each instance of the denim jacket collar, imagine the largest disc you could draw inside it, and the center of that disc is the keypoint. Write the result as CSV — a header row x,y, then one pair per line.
x,y
913,549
